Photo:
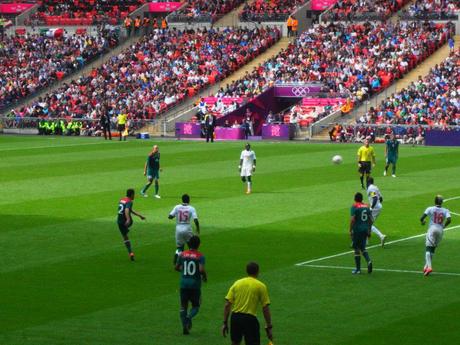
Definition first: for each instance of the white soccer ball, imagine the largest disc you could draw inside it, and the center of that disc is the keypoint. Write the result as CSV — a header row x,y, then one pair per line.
x,y
337,159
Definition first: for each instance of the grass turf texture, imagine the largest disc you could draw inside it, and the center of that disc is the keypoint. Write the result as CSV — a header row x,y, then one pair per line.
x,y
65,277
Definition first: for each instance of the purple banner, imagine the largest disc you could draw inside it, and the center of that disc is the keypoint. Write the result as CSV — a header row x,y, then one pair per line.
x,y
278,132
442,138
225,133
188,130
297,91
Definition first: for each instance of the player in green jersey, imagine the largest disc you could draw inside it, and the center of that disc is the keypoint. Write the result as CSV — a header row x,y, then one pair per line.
x,y
391,154
152,171
191,265
360,230
125,220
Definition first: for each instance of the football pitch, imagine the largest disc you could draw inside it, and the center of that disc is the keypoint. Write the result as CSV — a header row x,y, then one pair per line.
x,y
65,276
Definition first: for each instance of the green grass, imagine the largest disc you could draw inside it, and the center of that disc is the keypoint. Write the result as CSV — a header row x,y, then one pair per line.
x,y
65,277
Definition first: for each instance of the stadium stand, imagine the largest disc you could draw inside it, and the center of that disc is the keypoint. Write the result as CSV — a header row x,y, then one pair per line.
x,y
362,10
83,12
155,73
204,10
432,10
433,100
272,10
30,62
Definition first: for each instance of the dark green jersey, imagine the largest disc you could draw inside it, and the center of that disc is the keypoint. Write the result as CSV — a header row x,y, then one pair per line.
x,y
190,261
392,148
122,206
153,162
362,213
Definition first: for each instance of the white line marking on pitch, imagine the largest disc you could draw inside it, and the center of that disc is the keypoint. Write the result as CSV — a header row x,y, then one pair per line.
x,y
382,270
453,198
370,247
454,213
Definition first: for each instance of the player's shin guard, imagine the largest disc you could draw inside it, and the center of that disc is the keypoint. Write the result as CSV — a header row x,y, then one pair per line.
x,y
358,262
377,232
128,246
193,312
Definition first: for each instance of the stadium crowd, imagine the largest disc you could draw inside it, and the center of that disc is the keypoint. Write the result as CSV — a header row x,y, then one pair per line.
x,y
433,100
34,61
363,9
432,9
272,10
83,12
156,72
204,10
354,60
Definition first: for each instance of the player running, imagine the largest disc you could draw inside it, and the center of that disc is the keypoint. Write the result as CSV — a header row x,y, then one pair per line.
x,y
360,231
191,265
375,204
366,159
439,219
152,171
247,166
183,214
391,155
125,220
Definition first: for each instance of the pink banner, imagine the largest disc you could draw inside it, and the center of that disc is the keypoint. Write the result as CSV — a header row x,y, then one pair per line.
x,y
321,5
164,6
14,8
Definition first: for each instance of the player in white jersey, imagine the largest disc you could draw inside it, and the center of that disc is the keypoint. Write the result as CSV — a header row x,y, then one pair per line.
x,y
375,204
184,213
247,166
439,219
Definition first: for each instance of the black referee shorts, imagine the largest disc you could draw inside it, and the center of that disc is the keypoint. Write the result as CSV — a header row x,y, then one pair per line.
x,y
247,326
365,167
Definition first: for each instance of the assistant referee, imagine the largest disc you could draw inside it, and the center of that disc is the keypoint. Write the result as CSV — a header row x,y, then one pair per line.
x,y
366,159
242,300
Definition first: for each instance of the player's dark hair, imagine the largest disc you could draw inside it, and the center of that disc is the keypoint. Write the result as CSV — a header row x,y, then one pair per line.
x,y
358,197
130,193
370,180
248,146
194,242
185,198
252,268
438,200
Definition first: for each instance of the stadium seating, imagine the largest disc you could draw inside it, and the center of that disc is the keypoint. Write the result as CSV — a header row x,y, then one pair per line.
x,y
272,10
83,12
361,10
157,72
430,9
433,100
204,10
32,62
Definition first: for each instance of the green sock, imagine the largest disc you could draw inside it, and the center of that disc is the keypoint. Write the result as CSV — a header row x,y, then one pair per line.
x,y
146,187
367,257
157,187
394,169
358,262
193,312
183,317
128,246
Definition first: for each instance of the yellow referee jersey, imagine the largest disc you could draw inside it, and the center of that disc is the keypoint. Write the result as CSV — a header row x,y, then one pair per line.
x,y
122,118
246,294
366,154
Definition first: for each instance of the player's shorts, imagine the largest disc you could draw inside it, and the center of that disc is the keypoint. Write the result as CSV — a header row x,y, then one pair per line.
x,y
365,167
391,160
376,212
190,295
246,171
123,228
244,325
153,174
121,128
359,240
434,236
183,235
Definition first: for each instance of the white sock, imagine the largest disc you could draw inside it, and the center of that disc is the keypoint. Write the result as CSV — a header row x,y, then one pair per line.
x,y
428,259
249,185
377,232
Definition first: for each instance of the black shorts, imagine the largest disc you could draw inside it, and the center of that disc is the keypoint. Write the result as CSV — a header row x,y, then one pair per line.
x,y
365,167
121,128
190,295
359,241
247,326
123,228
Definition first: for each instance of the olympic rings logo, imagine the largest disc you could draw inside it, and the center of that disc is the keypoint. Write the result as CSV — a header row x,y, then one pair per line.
x,y
300,91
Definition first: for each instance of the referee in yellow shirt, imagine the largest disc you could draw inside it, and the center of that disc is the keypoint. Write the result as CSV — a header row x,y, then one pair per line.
x,y
243,299
122,118
366,160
